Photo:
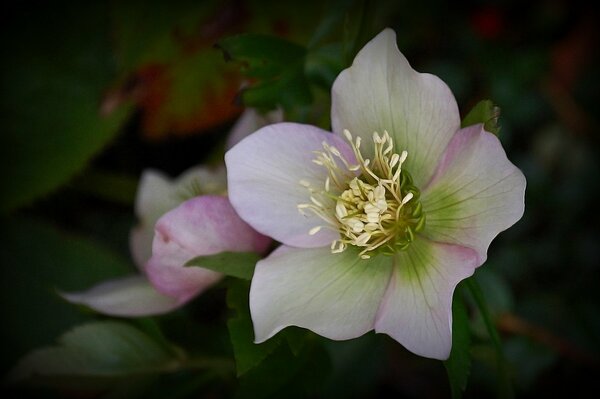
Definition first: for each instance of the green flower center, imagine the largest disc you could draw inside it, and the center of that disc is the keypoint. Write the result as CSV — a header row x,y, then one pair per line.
x,y
374,204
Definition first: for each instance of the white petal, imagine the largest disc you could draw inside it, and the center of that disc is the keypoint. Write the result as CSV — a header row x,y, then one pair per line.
x,y
475,194
334,295
131,296
264,174
380,91
417,309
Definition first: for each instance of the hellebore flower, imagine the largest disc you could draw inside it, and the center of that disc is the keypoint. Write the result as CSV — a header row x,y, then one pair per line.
x,y
380,220
178,220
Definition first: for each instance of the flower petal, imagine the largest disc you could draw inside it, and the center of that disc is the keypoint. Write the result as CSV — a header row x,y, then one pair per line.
x,y
475,194
157,195
417,308
204,225
131,296
264,174
334,295
380,91
153,199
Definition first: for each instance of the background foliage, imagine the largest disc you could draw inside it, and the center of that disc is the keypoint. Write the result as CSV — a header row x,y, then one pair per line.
x,y
94,93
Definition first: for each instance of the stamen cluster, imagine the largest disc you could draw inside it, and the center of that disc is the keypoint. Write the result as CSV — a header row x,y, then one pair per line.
x,y
373,204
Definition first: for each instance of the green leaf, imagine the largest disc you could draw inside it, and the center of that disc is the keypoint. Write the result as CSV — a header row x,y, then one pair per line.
x,y
285,375
101,349
295,338
335,12
234,264
484,112
40,258
247,354
458,365
276,64
56,68
505,389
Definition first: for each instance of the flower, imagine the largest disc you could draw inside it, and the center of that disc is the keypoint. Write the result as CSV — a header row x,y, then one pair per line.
x,y
178,220
380,220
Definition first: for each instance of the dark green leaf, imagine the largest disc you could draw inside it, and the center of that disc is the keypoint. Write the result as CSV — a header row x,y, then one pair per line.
x,y
39,258
247,354
505,389
331,21
484,112
262,55
278,66
458,365
56,68
296,338
234,264
358,365
101,349
284,374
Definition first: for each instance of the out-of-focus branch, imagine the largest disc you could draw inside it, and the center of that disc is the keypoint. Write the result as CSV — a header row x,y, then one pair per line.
x,y
513,324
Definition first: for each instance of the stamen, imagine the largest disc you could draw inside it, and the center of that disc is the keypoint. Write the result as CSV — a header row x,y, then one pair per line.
x,y
370,209
394,160
407,198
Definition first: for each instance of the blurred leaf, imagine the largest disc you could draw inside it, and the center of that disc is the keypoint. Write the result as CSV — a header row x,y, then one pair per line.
x,y
458,365
484,112
56,66
296,338
529,358
324,64
36,259
335,12
276,64
358,364
247,354
169,67
504,383
359,28
282,374
234,264
102,349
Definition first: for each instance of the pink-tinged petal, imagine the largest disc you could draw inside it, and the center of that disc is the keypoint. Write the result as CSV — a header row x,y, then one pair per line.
x,y
334,295
131,296
204,225
157,195
417,308
264,172
381,91
475,193
249,122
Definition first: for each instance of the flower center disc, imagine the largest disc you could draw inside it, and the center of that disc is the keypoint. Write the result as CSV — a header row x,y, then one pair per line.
x,y
373,204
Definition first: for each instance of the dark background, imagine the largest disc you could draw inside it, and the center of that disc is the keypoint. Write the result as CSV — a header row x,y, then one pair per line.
x,y
93,94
